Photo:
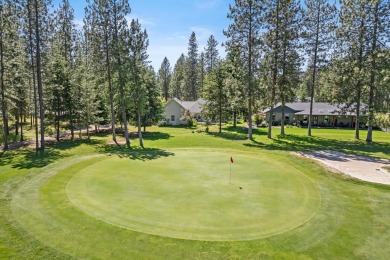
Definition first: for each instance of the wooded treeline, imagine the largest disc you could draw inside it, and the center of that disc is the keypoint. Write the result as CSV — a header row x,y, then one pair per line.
x,y
280,51
54,75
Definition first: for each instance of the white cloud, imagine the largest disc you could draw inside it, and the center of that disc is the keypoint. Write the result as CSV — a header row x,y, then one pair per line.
x,y
208,4
202,33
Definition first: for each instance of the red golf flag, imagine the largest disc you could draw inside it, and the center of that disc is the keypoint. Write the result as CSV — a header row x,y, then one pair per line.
x,y
231,160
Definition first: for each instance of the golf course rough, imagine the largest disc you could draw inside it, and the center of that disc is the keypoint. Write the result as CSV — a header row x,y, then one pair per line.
x,y
186,195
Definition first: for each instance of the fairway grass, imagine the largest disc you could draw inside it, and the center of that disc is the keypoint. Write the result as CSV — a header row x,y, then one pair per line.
x,y
174,201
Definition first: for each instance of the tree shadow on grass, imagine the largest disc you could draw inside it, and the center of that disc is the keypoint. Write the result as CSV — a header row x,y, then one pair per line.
x,y
69,144
310,144
27,158
153,136
143,154
235,133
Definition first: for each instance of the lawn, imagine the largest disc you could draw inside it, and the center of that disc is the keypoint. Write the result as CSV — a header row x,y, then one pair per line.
x,y
175,199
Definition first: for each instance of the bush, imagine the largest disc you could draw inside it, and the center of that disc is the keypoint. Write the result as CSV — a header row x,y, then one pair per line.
x,y
258,119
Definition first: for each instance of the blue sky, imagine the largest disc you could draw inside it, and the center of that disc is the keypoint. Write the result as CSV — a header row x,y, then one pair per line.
x,y
169,24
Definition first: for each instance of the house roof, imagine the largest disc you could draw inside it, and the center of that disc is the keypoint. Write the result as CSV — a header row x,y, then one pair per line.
x,y
194,107
319,108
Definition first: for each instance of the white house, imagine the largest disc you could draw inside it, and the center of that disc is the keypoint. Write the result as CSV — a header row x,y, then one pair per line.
x,y
175,108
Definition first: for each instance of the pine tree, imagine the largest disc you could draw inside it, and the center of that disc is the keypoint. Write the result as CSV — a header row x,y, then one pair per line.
x,y
138,73
177,86
353,33
102,30
234,82
154,108
85,81
41,26
243,36
319,24
379,30
201,72
211,53
272,40
288,79
164,78
4,110
13,69
30,42
216,93
191,87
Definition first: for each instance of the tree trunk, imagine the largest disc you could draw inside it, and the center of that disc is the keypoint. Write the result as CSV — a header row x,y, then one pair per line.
x,y
359,83
313,79
110,90
250,94
17,123
21,124
89,138
275,70
220,110
139,130
33,75
120,79
372,77
2,88
71,121
282,122
234,118
57,119
39,78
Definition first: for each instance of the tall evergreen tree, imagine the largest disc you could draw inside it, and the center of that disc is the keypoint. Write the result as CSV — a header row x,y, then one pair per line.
x,y
41,21
121,9
177,86
288,79
102,29
164,78
30,42
192,89
201,72
379,30
272,20
353,33
4,110
319,25
154,107
243,35
216,93
211,53
138,73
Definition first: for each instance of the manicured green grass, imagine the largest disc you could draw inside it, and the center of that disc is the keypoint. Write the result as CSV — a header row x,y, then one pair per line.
x,y
93,200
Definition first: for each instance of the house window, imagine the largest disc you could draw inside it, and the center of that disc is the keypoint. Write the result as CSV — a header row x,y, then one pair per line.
x,y
287,117
172,117
273,117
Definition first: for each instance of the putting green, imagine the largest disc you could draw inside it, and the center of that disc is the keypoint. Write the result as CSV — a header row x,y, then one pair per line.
x,y
188,195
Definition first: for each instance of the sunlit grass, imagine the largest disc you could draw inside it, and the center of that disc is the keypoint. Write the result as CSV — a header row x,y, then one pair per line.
x,y
352,221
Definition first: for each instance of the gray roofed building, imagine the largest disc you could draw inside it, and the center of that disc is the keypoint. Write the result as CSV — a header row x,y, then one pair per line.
x,y
324,114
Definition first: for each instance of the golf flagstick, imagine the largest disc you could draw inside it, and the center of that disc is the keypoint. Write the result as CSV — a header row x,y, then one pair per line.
x,y
230,173
231,162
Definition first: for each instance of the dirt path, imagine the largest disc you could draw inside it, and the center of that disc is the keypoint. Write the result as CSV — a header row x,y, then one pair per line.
x,y
360,167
